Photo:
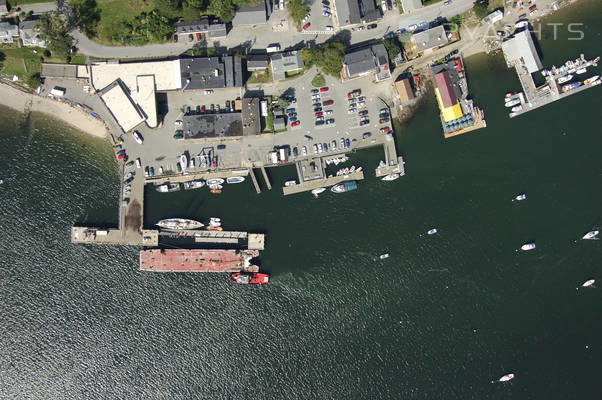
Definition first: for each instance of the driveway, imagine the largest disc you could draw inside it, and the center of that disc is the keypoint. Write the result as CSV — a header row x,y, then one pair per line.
x,y
38,8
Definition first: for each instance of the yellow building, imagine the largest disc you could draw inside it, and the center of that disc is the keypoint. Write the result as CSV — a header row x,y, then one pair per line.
x,y
446,98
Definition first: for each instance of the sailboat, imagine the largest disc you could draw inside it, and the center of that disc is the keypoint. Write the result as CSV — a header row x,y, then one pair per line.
x,y
591,235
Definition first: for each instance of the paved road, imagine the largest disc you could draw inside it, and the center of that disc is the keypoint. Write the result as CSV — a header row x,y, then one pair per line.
x,y
38,8
262,35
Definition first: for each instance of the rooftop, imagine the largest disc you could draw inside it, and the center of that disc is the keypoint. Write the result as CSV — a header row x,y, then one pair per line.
x,y
121,106
212,28
368,11
404,89
367,60
286,62
210,72
251,123
212,125
521,46
257,61
166,73
430,38
348,12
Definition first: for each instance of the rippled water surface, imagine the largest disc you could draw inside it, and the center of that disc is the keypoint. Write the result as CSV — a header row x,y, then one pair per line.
x,y
441,318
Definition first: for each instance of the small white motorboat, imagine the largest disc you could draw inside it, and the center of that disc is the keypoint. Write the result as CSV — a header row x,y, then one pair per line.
x,y
215,187
527,246
520,197
591,235
215,181
290,183
235,179
317,191
1,181
581,71
506,378
432,231
390,177
588,283
384,256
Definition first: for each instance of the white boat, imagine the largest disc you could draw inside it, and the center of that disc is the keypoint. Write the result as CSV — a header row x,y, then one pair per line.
x,y
565,78
390,177
215,222
588,283
520,197
581,71
184,162
512,102
517,108
199,183
290,183
506,378
168,187
591,235
235,179
215,181
384,256
432,231
1,181
527,246
591,80
218,187
179,223
317,191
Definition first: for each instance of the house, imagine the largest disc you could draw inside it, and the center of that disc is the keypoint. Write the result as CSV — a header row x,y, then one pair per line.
x,y
257,62
520,46
366,61
251,15
404,89
29,33
446,97
430,39
368,11
410,5
8,32
285,62
3,8
211,72
210,29
279,123
353,12
251,118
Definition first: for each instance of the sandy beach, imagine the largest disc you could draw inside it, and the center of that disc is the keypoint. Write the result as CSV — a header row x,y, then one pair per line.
x,y
22,101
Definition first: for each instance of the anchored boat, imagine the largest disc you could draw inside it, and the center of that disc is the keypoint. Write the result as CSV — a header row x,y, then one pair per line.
x,y
591,235
168,187
344,187
588,283
384,256
520,197
506,378
179,223
432,231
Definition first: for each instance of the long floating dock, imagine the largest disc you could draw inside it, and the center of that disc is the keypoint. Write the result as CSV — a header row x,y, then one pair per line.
x,y
255,241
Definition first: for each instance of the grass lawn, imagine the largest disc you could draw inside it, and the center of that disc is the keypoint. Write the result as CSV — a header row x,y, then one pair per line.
x,y
24,62
261,76
318,81
112,12
14,3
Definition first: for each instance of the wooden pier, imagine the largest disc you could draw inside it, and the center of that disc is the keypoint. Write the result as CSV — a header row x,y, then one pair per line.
x,y
318,183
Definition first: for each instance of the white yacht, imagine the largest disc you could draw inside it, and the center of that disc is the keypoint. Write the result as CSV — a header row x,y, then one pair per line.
x,y
235,179
506,378
589,283
520,197
390,177
591,235
432,231
527,246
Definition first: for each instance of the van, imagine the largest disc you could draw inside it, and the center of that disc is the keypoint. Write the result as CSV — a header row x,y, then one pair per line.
x,y
138,163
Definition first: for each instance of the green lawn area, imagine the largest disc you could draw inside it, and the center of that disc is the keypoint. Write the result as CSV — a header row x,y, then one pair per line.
x,y
14,3
318,81
112,12
23,62
261,76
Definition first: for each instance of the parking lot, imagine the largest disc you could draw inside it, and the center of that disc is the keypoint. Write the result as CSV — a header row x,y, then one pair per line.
x,y
318,21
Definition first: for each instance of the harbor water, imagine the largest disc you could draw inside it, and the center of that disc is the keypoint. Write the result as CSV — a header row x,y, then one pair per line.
x,y
441,318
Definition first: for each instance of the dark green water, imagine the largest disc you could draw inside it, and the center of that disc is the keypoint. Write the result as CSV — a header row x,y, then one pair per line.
x,y
440,319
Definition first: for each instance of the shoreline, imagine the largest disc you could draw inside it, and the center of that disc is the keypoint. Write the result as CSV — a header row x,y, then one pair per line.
x,y
26,102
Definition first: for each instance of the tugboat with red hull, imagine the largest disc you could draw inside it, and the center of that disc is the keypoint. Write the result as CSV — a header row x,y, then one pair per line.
x,y
253,278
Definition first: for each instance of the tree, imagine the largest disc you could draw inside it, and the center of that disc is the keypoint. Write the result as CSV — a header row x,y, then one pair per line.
x,y
455,22
85,14
169,8
283,103
55,31
34,80
318,81
392,47
480,10
297,10
331,58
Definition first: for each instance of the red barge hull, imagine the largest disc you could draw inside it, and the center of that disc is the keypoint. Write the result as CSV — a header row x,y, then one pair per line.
x,y
177,260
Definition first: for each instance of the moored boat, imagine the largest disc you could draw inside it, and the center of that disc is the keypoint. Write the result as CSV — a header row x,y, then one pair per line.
x,y
344,187
432,231
512,102
235,179
214,228
179,223
168,187
571,86
506,378
254,278
591,80
317,191
215,181
581,71
591,235
390,177
184,162
199,183
290,183
565,78
517,108
527,246
215,191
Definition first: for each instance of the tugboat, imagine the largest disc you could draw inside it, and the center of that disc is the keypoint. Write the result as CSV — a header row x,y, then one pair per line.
x,y
250,278
344,187
168,187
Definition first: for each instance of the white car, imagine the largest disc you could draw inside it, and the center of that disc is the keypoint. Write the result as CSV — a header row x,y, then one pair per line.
x,y
315,148
413,27
319,147
326,8
208,91
326,14
179,122
329,28
362,104
329,112
304,150
352,110
306,18
137,137
383,5
315,96
138,163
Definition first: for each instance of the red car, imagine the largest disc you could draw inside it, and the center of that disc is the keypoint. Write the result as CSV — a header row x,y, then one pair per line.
x,y
198,36
319,114
328,102
323,89
296,123
121,156
386,129
306,26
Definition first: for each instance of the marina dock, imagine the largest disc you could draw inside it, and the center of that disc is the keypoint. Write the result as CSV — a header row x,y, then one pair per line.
x,y
253,241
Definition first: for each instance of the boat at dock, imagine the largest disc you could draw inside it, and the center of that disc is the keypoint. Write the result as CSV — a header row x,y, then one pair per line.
x,y
317,191
215,181
235,179
591,80
182,260
390,177
215,222
168,187
527,246
215,228
581,71
571,86
591,235
517,108
512,102
290,183
179,223
565,78
255,278
344,187
196,184
506,378
184,162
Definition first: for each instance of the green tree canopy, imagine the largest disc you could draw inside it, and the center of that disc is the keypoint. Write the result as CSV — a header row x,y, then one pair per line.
x,y
86,15
328,57
297,10
55,31
392,47
480,10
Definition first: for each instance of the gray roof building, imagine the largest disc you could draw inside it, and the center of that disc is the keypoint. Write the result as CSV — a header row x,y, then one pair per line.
x,y
286,62
8,31
430,38
212,125
257,62
250,15
411,5
369,12
213,29
211,72
3,9
521,46
348,12
29,34
373,59
279,123
251,117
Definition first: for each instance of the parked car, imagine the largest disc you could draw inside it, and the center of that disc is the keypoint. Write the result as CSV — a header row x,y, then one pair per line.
x,y
319,114
190,37
228,105
291,120
128,180
324,89
330,121
317,109
151,171
295,152
334,145
315,97
221,146
386,129
352,110
319,147
383,120
304,150
308,138
198,36
138,163
179,135
328,102
198,109
178,122
129,164
314,91
329,28
347,143
318,123
306,26
342,142
362,123
146,172
306,18
137,137
364,112
326,14
329,112
296,123
326,8
120,154
318,104
372,26
175,38
320,119
291,110
413,27
209,91
292,115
